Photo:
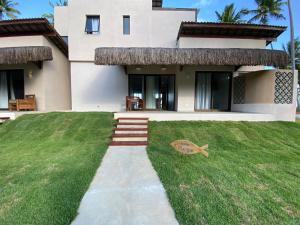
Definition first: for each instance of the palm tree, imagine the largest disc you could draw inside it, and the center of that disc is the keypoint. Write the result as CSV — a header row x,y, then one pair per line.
x,y
293,49
267,9
50,16
288,49
7,8
229,15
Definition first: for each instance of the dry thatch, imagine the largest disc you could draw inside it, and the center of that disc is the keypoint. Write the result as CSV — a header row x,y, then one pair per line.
x,y
190,56
23,55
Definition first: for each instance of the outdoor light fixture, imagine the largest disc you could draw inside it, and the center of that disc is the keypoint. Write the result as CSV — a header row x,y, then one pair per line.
x,y
30,74
138,68
163,68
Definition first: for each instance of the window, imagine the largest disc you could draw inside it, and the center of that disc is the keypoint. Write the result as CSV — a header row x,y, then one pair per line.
x,y
92,25
126,25
66,39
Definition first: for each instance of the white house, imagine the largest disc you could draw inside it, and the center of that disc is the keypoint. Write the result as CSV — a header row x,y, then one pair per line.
x,y
176,67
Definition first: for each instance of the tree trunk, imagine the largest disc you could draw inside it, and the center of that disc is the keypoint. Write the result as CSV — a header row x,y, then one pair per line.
x,y
292,35
1,15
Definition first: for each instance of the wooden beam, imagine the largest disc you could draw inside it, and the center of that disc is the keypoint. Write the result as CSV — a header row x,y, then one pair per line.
x,y
39,64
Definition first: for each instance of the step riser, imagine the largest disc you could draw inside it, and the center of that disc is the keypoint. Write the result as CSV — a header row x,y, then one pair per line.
x,y
130,139
133,121
131,132
129,144
132,126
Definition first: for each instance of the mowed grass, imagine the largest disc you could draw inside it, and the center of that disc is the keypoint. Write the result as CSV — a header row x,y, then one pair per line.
x,y
252,175
47,162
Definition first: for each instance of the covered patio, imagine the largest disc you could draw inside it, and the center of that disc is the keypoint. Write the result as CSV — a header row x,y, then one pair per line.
x,y
205,84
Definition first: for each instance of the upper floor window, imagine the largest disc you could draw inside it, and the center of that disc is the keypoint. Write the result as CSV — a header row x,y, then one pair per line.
x,y
126,25
92,25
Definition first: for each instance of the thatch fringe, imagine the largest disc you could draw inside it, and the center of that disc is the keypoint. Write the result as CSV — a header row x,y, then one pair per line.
x,y
23,55
190,56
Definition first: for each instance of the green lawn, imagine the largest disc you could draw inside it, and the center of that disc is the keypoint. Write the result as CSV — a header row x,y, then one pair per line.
x,y
47,162
252,175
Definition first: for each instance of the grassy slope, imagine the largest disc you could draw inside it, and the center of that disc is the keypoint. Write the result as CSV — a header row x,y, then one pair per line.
x,y
47,162
252,175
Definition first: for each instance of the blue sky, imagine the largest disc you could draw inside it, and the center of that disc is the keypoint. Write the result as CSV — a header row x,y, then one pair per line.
x,y
35,8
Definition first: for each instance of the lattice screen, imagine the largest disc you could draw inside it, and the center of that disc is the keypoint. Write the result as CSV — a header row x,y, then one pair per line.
x,y
284,83
239,90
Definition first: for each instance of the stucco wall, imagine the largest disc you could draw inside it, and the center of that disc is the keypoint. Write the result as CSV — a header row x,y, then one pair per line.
x,y
149,28
260,87
61,22
189,42
57,80
21,41
98,88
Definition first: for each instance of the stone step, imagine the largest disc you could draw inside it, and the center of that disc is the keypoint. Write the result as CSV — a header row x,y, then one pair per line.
x,y
127,143
131,131
4,119
132,120
130,137
132,125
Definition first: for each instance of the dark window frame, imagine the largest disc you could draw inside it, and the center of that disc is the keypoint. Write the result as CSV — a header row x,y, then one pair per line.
x,y
86,24
126,17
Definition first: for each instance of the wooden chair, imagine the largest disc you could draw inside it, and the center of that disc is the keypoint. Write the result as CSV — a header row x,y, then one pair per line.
x,y
12,105
131,101
29,103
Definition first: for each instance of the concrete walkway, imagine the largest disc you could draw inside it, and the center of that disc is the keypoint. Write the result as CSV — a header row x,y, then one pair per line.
x,y
125,191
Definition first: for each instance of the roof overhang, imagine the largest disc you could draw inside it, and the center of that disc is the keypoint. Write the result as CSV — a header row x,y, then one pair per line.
x,y
230,30
24,55
32,27
190,56
157,3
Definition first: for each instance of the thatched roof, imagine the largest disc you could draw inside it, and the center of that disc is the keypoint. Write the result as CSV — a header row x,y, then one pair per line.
x,y
23,55
190,56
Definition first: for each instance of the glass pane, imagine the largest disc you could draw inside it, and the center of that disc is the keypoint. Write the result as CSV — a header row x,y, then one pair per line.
x,y
3,90
126,24
203,91
168,92
16,84
136,86
221,91
92,24
152,92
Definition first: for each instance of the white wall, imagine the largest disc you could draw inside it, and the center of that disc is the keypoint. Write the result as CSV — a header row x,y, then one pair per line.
x,y
57,80
149,28
189,42
98,88
61,22
21,41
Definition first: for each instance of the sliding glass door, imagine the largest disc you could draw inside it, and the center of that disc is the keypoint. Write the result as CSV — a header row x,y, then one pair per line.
x,y
152,92
158,91
213,91
3,90
11,86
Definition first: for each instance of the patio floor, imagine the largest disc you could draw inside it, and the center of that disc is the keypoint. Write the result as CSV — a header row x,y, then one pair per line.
x,y
197,116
